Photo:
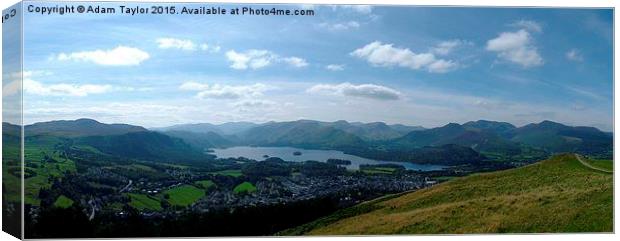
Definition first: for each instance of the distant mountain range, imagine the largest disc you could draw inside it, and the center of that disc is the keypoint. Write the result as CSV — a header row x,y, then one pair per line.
x,y
452,144
365,131
80,127
229,128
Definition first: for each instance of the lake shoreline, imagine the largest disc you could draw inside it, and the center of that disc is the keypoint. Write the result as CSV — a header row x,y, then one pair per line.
x,y
294,154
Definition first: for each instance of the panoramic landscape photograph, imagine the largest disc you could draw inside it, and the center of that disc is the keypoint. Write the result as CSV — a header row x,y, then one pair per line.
x,y
335,120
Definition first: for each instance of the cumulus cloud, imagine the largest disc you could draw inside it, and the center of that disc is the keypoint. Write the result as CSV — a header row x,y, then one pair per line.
x,y
119,56
252,103
12,82
574,55
295,62
529,25
446,47
219,91
386,55
516,47
256,59
173,43
34,87
186,45
11,88
441,66
210,48
38,88
370,91
335,67
340,26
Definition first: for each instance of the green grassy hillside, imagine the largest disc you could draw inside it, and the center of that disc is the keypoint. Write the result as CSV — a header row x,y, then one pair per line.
x,y
555,195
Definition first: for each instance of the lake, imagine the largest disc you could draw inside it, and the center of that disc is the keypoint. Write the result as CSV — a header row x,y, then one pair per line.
x,y
286,153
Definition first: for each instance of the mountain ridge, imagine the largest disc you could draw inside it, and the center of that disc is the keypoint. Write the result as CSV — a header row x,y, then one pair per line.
x,y
499,140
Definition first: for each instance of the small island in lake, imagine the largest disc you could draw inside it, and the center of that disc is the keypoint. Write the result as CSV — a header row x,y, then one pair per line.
x,y
297,153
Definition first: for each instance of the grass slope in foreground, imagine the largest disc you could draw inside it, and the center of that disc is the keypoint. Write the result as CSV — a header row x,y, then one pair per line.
x,y
555,195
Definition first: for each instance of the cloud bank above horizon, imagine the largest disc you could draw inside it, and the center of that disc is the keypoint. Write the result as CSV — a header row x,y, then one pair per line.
x,y
354,63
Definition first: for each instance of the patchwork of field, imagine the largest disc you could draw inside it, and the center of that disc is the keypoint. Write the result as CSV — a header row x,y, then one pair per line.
x,y
144,202
183,195
245,187
63,202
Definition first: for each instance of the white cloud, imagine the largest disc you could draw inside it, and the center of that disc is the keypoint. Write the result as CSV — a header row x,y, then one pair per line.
x,y
210,48
584,92
119,56
256,59
295,62
186,44
11,88
446,47
370,91
12,82
574,55
33,87
252,103
340,26
335,67
173,43
218,91
363,9
516,47
528,25
442,66
38,88
379,54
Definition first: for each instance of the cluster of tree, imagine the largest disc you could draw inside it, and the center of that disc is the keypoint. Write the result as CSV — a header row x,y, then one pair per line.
x,y
338,161
272,166
315,168
449,154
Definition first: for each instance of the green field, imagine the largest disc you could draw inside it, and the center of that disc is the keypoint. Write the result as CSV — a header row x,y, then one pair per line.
x,y
184,195
444,178
379,170
63,202
603,164
230,172
144,202
12,184
206,184
555,195
54,167
245,187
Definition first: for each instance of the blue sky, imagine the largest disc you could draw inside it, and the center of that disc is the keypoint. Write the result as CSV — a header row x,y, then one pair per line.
x,y
410,65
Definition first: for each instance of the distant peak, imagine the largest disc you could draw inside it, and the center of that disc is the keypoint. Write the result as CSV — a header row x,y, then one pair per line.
x,y
549,123
452,125
86,120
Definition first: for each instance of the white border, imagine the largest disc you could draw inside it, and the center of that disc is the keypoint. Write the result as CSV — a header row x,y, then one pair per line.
x,y
492,3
